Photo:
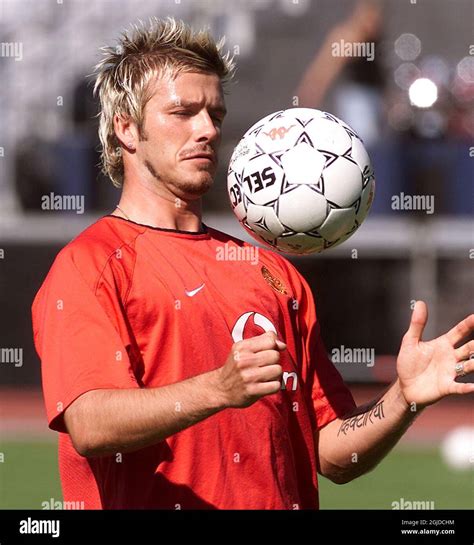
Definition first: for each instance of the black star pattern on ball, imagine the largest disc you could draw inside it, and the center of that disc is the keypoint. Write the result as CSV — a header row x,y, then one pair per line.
x,y
259,151
287,187
276,116
331,118
367,175
262,224
354,228
237,176
304,138
350,132
246,200
314,233
318,187
245,223
357,204
348,155
288,232
333,206
270,241
304,124
276,156
328,244
271,203
330,157
254,132
276,207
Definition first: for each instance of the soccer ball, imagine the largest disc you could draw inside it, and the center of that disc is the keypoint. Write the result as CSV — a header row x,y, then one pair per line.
x,y
300,181
457,448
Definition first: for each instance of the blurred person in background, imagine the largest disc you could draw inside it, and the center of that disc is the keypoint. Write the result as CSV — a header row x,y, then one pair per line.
x,y
359,100
357,88
424,154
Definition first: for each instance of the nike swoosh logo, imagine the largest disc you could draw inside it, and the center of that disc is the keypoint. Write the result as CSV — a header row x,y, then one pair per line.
x,y
192,293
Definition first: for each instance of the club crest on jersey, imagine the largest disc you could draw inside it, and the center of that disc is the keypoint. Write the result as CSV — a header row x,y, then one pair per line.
x,y
274,282
278,132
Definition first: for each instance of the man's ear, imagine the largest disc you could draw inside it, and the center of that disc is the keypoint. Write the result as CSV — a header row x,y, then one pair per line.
x,y
126,132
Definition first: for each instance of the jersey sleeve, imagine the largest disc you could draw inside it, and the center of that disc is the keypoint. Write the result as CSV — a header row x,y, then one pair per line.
x,y
79,345
330,398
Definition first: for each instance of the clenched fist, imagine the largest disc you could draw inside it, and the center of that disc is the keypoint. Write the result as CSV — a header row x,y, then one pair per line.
x,y
252,370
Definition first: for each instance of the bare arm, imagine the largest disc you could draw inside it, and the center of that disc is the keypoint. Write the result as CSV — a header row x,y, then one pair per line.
x,y
102,422
108,421
325,68
352,446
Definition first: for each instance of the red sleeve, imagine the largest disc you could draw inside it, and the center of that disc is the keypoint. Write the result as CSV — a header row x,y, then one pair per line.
x,y
79,346
330,397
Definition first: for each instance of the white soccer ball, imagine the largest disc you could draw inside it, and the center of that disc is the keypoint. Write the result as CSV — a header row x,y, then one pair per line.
x,y
457,448
300,181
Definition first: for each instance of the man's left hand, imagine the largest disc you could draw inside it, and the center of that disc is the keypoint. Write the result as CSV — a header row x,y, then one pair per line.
x,y
427,370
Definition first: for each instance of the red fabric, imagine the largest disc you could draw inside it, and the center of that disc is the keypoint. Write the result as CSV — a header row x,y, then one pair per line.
x,y
113,313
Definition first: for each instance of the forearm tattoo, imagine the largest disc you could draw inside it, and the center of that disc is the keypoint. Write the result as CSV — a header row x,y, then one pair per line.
x,y
361,420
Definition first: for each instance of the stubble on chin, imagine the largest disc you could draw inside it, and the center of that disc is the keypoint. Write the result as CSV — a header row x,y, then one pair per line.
x,y
196,187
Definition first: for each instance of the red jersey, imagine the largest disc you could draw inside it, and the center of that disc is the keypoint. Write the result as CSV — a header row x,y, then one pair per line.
x,y
131,306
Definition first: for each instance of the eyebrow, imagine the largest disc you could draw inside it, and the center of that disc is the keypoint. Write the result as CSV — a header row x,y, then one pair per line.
x,y
189,104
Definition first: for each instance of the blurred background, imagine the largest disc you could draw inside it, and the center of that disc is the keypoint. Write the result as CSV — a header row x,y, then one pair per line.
x,y
412,104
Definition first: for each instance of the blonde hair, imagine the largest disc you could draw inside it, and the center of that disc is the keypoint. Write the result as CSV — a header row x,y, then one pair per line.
x,y
124,75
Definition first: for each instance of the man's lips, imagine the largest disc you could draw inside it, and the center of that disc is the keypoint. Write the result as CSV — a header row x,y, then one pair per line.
x,y
203,155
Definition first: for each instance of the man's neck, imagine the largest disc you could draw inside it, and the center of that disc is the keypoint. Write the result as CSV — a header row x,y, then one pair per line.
x,y
163,211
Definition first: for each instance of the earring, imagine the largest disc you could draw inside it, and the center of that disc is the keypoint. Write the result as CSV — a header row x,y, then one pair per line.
x,y
131,146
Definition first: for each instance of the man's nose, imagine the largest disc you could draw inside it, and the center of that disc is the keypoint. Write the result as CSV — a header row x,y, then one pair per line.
x,y
206,128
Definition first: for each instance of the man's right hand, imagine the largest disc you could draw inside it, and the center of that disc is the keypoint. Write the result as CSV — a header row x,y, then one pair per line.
x,y
125,420
252,370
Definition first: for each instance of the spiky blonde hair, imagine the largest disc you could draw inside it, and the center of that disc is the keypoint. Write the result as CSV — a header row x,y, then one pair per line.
x,y
163,47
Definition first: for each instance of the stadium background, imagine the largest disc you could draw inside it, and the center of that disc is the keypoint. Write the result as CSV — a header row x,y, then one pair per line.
x,y
48,144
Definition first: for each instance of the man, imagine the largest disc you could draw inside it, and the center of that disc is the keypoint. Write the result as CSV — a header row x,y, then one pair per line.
x,y
181,381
